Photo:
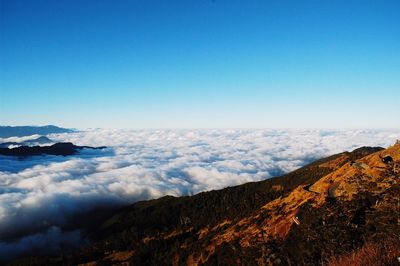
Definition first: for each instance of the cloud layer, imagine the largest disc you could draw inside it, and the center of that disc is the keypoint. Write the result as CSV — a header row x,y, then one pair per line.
x,y
39,195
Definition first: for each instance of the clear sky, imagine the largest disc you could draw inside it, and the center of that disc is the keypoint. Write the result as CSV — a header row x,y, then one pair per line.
x,y
200,63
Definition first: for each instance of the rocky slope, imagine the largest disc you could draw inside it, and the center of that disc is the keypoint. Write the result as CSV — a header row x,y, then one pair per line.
x,y
308,217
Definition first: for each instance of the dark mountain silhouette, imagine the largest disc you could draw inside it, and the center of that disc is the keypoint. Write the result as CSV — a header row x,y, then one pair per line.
x,y
62,148
31,142
333,210
22,131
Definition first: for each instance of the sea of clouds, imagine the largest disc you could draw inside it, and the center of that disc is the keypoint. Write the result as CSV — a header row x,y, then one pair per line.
x,y
40,195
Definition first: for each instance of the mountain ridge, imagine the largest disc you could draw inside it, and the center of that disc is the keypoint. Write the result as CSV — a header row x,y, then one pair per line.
x,y
295,219
22,131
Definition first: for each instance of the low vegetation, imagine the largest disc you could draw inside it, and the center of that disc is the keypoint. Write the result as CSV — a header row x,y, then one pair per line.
x,y
384,253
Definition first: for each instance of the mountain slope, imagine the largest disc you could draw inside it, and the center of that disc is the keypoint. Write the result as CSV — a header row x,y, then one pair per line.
x,y
21,131
325,209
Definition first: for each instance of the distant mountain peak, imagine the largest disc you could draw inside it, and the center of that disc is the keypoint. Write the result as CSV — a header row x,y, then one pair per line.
x,y
22,131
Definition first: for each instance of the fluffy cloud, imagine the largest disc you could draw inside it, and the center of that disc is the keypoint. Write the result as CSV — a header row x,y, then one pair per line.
x,y
19,139
46,243
42,193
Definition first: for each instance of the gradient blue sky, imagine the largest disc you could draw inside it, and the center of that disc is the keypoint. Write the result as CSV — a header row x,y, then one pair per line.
x,y
200,64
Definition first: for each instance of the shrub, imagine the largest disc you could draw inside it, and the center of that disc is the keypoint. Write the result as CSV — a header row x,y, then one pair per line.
x,y
384,253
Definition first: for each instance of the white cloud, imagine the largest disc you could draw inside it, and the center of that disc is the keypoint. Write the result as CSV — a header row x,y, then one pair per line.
x,y
19,139
41,192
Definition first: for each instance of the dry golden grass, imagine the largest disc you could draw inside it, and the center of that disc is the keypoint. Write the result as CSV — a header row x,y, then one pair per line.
x,y
147,239
120,256
92,263
202,232
277,187
385,253
335,163
175,233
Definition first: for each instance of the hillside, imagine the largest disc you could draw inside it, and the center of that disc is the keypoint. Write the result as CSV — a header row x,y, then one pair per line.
x,y
344,203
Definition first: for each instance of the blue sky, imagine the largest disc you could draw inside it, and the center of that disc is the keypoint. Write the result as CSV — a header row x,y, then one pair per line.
x,y
200,64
